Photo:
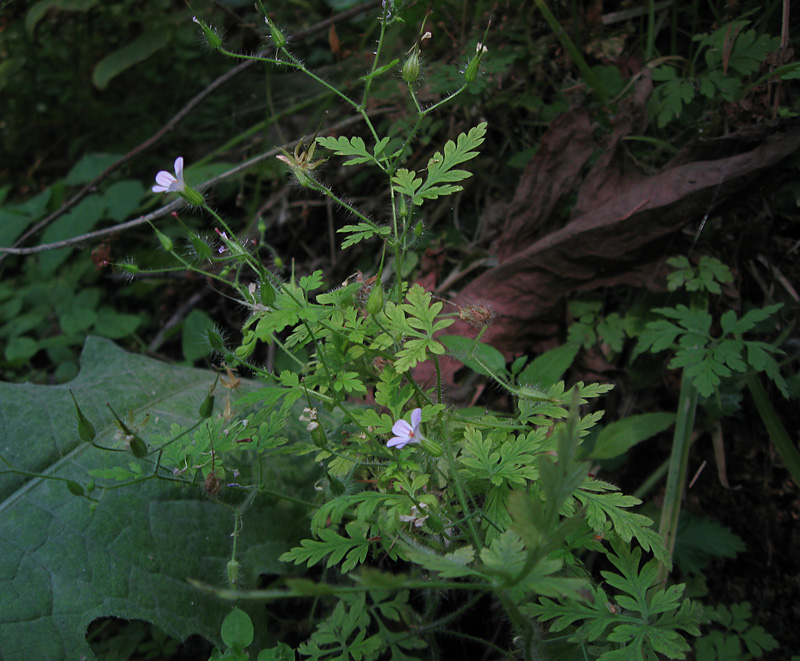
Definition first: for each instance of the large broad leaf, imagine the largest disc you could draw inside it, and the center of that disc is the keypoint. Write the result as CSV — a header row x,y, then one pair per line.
x,y
145,46
63,565
620,436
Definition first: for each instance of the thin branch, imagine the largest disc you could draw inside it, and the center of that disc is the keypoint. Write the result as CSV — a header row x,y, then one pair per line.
x,y
168,127
175,204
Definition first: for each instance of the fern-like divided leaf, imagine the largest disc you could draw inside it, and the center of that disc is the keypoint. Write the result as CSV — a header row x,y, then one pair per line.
x,y
441,172
645,620
603,501
353,548
354,147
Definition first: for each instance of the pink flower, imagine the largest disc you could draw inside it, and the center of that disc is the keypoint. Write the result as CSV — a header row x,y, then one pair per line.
x,y
166,182
405,433
169,183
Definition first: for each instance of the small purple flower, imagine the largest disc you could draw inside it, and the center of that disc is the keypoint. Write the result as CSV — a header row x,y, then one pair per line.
x,y
168,182
405,433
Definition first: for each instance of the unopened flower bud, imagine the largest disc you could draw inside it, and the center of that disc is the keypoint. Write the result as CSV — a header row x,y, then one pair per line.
x,y
336,486
266,293
418,229
246,348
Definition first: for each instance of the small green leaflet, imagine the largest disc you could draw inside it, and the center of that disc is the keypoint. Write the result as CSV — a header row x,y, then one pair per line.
x,y
354,147
355,547
440,169
362,231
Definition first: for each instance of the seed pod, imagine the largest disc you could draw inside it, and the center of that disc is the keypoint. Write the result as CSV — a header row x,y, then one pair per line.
x,y
86,431
201,248
410,71
375,300
193,197
212,485
318,435
166,243
431,447
278,40
74,488
215,340
233,573
211,37
207,406
267,292
138,447
128,267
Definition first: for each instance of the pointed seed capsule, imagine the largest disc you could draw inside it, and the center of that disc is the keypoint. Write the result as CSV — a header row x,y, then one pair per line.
x,y
86,431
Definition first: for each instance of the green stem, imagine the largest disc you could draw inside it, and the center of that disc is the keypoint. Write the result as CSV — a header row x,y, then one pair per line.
x,y
676,478
375,60
777,432
574,53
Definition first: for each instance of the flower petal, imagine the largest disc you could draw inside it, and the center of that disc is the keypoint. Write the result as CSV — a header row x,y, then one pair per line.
x,y
397,442
165,179
416,418
179,168
403,429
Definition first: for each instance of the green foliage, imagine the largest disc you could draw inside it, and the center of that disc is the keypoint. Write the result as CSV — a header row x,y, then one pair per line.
x,y
356,148
348,551
140,49
618,437
641,621
731,53
237,630
475,501
707,276
701,540
706,359
440,170
417,319
125,539
735,638
48,309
